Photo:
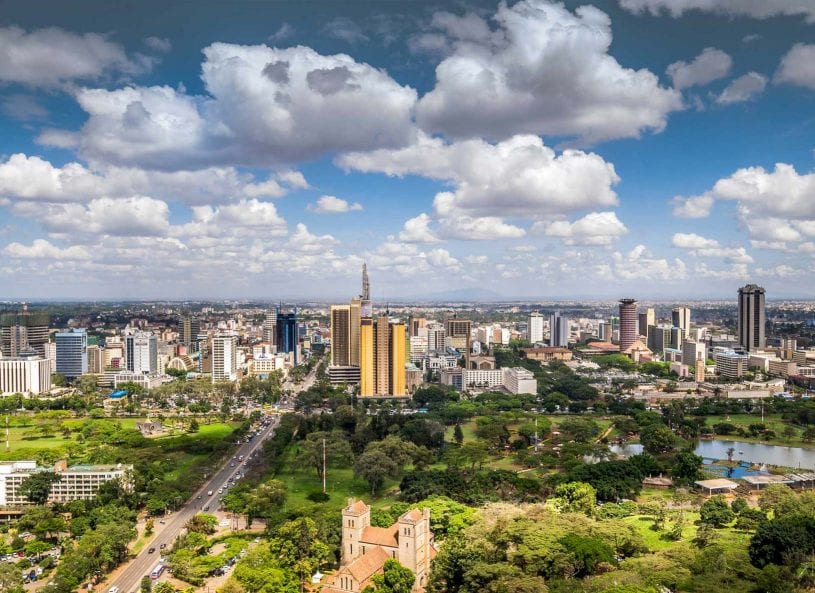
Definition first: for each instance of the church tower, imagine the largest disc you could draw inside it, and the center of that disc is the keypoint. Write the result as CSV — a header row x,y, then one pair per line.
x,y
414,544
355,518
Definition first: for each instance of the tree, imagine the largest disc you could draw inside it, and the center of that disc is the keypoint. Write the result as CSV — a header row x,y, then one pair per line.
x,y
203,523
687,467
657,439
146,584
588,553
395,578
163,587
373,467
297,547
716,511
458,434
37,487
787,540
575,497
267,499
193,426
11,579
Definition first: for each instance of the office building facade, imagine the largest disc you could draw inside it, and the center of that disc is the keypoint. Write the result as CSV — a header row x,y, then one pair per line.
x,y
28,375
558,330
646,319
680,317
72,353
535,328
382,357
752,318
81,482
141,352
23,329
287,340
224,357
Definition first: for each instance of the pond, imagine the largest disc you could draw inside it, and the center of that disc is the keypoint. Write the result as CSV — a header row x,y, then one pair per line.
x,y
758,453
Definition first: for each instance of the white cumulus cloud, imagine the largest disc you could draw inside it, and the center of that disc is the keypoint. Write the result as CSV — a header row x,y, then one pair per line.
x,y
712,64
546,70
758,9
798,66
333,205
744,88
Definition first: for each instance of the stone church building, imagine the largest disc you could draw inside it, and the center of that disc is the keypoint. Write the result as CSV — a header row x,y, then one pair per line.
x,y
366,548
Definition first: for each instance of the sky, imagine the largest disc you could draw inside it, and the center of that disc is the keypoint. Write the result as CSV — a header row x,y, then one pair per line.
x,y
532,149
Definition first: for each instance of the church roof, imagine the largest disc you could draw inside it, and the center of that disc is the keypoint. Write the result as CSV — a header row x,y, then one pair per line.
x,y
367,565
380,536
357,506
413,515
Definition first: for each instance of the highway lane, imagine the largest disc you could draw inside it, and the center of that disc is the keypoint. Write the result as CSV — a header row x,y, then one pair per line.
x,y
129,579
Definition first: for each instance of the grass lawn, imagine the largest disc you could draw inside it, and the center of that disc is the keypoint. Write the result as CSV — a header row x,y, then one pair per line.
x,y
340,485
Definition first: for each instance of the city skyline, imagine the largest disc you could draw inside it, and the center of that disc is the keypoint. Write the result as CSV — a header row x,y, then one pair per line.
x,y
666,157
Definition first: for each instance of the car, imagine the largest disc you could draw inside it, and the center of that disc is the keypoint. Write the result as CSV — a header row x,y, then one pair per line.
x,y
198,497
162,546
151,550
206,508
162,521
113,589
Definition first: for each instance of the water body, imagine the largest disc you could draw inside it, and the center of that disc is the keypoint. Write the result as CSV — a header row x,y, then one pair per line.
x,y
758,453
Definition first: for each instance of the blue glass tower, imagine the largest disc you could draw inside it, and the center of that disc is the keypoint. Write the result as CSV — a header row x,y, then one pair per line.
x,y
287,332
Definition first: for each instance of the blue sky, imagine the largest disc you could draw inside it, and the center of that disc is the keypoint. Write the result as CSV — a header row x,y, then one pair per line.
x,y
654,148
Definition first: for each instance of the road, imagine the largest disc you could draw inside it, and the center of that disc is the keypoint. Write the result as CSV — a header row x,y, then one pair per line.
x,y
129,579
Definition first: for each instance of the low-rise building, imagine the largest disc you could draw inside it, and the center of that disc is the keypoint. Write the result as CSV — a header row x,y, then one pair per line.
x,y
548,354
518,380
79,482
730,364
29,375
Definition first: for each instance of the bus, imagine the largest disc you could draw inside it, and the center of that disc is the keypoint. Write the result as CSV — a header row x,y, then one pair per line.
x,y
156,572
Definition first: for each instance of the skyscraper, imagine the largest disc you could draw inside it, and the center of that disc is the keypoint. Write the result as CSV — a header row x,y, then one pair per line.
x,y
141,352
365,297
535,327
681,319
459,331
287,332
628,323
23,329
190,328
382,357
752,317
647,318
224,357
558,330
340,335
72,353
354,316
270,328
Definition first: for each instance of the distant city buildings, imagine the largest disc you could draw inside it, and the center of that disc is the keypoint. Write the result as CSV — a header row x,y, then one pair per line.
x,y
22,330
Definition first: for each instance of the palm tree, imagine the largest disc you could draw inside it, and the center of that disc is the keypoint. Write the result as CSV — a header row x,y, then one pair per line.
x,y
730,452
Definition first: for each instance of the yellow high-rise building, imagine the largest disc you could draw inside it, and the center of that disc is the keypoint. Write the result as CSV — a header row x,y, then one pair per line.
x,y
397,359
366,357
382,357
341,335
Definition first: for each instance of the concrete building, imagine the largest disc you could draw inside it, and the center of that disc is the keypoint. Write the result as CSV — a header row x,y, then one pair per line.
x,y
190,328
680,317
141,352
23,329
80,482
26,374
535,327
693,351
645,320
287,338
340,326
346,375
558,330
436,336
752,318
519,380
50,349
451,376
482,379
224,357
548,354
661,337
72,353
459,334
366,548
147,381
95,359
730,364
628,323
418,346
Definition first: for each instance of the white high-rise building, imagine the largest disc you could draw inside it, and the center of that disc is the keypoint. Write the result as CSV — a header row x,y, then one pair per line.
x,y
680,317
535,328
29,375
224,357
558,330
435,337
141,352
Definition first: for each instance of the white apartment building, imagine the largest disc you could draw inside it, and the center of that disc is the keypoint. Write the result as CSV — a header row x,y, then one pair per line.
x,y
141,352
80,482
482,378
729,364
26,375
535,328
519,380
50,349
224,358
436,335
